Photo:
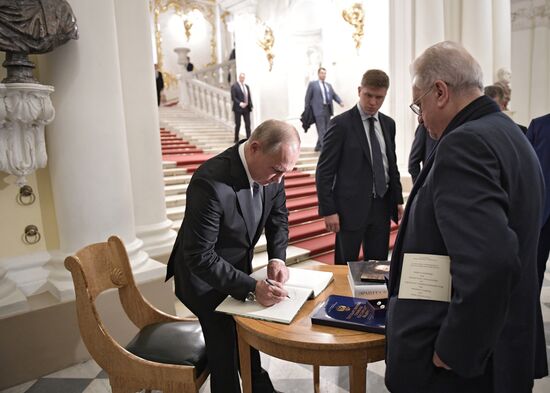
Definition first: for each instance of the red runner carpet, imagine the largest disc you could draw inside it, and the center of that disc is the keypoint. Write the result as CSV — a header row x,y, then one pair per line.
x,y
306,228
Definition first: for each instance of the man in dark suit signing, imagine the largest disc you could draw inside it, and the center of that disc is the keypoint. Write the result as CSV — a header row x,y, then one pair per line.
x,y
242,105
231,199
358,183
470,227
319,96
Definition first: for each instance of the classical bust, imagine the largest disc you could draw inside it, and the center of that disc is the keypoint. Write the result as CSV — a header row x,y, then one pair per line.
x,y
504,76
35,26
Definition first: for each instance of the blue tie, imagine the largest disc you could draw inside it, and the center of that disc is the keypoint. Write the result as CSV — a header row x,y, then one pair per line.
x,y
327,101
377,163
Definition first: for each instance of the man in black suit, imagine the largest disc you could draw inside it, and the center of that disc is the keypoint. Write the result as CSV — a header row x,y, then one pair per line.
x,y
242,105
358,183
468,227
539,136
160,83
421,149
230,200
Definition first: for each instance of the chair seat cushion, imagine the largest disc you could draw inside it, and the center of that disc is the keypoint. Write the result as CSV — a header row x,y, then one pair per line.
x,y
171,343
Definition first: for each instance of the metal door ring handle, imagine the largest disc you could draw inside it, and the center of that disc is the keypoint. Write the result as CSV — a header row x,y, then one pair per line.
x,y
31,235
26,196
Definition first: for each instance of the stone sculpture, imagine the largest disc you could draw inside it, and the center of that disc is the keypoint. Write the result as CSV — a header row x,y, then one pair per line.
x,y
31,27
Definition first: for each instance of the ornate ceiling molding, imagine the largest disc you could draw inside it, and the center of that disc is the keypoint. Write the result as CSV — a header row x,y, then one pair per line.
x,y
531,16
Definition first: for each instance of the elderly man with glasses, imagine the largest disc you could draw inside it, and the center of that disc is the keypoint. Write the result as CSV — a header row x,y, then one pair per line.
x,y
464,311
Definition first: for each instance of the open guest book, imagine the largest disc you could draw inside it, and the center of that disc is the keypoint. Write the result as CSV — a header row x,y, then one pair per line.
x,y
302,285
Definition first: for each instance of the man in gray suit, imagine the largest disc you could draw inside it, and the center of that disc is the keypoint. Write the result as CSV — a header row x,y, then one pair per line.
x,y
467,227
319,96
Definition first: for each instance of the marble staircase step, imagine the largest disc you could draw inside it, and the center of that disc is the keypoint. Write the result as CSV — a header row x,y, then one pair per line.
x,y
293,255
177,188
317,245
306,231
169,172
304,215
175,200
299,182
297,192
175,213
310,167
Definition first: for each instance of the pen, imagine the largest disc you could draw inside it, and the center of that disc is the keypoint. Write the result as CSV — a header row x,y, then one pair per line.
x,y
269,282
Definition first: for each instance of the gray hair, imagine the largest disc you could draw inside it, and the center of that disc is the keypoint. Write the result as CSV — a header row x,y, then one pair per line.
x,y
450,62
494,91
272,134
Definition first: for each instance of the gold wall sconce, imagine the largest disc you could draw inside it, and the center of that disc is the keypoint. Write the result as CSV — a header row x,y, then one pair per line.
x,y
354,15
266,43
187,24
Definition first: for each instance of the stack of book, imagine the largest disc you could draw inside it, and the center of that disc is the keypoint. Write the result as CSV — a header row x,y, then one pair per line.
x,y
367,279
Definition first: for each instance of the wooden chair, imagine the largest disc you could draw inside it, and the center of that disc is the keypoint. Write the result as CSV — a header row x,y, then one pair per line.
x,y
167,354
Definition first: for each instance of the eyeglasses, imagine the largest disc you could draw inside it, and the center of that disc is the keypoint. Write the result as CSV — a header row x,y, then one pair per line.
x,y
415,107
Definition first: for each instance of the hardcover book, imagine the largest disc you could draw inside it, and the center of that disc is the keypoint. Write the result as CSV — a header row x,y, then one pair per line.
x,y
351,313
363,289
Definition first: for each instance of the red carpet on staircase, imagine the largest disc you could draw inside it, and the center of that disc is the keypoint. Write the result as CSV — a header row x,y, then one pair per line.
x,y
306,227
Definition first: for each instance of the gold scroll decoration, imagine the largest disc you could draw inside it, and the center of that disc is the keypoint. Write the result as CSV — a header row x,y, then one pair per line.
x,y
354,15
266,43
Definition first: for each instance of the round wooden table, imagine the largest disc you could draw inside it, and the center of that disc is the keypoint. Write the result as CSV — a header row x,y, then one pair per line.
x,y
302,342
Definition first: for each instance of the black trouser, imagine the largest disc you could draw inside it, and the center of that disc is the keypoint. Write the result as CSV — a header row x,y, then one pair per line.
x,y
220,336
374,236
246,116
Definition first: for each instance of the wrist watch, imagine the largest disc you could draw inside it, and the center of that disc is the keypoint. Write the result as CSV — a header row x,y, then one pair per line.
x,y
251,296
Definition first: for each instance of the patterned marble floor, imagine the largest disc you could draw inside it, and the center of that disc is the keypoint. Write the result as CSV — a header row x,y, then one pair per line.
x,y
288,377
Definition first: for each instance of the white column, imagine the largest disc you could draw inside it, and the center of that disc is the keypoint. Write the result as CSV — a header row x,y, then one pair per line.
x,y
502,36
540,80
477,34
142,126
429,24
402,54
88,155
251,58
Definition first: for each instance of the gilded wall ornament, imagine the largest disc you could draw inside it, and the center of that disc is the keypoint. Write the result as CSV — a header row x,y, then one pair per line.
x,y
354,16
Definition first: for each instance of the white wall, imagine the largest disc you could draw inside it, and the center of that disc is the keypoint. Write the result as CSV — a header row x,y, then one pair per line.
x,y
530,60
310,33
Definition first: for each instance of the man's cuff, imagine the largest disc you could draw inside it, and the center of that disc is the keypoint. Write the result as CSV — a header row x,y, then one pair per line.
x,y
277,260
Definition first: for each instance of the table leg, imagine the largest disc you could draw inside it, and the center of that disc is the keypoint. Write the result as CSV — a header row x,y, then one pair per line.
x,y
357,379
316,386
244,359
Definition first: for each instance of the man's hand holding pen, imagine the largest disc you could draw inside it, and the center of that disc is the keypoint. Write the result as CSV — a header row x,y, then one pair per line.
x,y
269,292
